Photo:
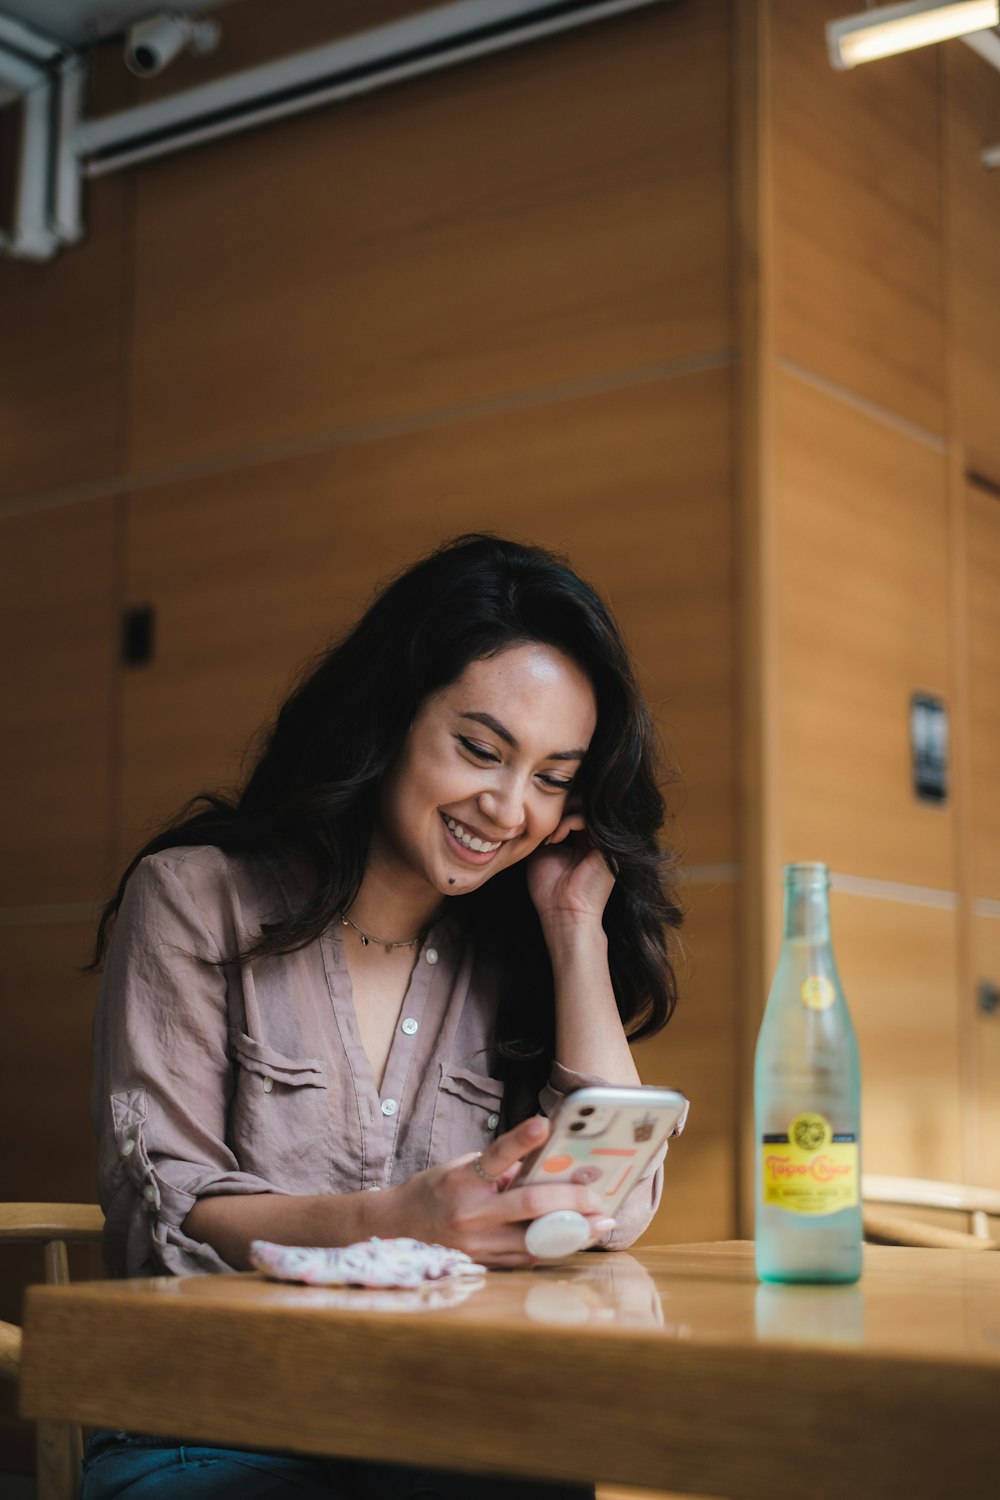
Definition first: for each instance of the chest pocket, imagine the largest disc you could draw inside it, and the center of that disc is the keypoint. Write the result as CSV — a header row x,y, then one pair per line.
x,y
468,1113
280,1117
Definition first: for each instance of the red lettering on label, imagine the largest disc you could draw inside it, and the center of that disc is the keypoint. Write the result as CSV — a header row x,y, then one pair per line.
x,y
822,1169
825,1170
780,1166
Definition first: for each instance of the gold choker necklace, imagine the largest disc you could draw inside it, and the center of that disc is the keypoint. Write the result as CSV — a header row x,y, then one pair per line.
x,y
369,937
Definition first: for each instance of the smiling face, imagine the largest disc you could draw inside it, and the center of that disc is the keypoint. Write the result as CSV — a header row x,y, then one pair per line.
x,y
485,772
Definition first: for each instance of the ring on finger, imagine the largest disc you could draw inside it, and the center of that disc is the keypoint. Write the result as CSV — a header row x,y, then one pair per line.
x,y
480,1170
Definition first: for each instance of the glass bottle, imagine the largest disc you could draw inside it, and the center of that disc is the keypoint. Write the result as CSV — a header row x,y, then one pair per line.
x,y
807,1103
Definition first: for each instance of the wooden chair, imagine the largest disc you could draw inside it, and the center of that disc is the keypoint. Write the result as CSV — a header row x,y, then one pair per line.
x,y
59,1446
976,1205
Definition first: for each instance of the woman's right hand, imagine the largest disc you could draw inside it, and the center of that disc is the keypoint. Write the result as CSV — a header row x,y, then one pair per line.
x,y
453,1205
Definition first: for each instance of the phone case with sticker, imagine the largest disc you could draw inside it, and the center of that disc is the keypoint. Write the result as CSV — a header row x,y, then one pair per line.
x,y
604,1138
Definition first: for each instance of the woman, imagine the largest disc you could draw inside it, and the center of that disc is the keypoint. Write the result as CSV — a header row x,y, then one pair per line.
x,y
334,1006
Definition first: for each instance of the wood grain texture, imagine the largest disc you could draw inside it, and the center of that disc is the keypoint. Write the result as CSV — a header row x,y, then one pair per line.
x,y
984,1106
57,617
41,1222
899,964
971,122
252,571
61,377
883,1228
864,598
21,1265
982,602
47,1030
483,232
697,1054
858,265
10,1351
48,1177
664,1368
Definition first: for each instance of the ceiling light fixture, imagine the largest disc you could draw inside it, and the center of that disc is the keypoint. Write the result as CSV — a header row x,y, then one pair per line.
x,y
900,28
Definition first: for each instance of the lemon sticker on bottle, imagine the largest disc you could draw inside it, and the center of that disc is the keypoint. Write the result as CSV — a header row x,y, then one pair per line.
x,y
817,992
809,1132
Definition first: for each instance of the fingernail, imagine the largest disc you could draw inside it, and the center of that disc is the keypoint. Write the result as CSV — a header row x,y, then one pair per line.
x,y
602,1226
536,1126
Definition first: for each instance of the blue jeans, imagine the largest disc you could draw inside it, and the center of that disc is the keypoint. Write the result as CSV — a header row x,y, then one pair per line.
x,y
160,1468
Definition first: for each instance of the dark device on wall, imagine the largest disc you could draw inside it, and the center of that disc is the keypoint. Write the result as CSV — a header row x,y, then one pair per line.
x,y
929,747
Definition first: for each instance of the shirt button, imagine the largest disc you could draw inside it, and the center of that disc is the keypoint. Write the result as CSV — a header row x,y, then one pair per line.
x,y
127,1147
268,1085
410,1026
492,1121
389,1106
373,1187
431,955
149,1192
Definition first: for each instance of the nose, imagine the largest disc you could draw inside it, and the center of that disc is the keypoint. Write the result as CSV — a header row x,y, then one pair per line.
x,y
504,807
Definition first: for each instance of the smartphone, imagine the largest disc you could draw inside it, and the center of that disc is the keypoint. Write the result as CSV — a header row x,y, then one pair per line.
x,y
604,1138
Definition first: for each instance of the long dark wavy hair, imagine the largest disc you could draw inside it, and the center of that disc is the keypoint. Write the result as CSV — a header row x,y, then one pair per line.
x,y
310,798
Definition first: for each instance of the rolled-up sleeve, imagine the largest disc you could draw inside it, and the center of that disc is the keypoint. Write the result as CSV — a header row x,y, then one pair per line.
x,y
163,1077
636,1213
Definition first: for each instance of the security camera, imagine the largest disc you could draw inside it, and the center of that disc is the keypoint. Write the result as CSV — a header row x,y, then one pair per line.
x,y
153,43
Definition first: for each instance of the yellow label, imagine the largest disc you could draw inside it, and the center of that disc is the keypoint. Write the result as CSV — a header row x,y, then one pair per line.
x,y
809,1169
817,992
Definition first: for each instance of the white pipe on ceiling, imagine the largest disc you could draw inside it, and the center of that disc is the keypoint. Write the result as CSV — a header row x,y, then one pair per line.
x,y
423,43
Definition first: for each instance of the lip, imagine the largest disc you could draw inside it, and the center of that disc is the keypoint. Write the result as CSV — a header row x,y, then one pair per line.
x,y
469,856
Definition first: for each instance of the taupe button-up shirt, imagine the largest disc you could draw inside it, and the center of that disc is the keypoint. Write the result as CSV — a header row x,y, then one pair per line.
x,y
253,1078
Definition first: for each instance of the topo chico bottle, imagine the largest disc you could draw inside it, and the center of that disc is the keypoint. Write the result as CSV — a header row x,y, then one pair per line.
x,y
807,1103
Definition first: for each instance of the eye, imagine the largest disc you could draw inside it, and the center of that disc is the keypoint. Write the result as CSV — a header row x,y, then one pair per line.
x,y
558,783
479,751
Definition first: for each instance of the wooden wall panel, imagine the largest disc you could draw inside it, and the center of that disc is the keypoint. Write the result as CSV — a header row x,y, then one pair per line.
x,y
857,273
482,232
983,632
862,559
250,572
697,1054
50,1154
61,376
45,1098
972,121
982,826
58,620
984,1166
899,964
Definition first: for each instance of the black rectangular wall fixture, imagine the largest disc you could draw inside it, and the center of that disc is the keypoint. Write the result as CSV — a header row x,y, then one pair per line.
x,y
929,747
138,633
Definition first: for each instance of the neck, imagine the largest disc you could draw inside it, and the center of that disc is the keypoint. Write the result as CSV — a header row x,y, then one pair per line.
x,y
393,912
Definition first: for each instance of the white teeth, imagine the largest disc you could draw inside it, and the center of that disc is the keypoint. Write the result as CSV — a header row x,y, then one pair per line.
x,y
469,840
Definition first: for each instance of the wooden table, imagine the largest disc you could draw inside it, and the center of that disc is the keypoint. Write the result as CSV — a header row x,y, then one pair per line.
x,y
669,1367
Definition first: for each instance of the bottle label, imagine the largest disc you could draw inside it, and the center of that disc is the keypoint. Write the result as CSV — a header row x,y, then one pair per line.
x,y
810,1169
817,992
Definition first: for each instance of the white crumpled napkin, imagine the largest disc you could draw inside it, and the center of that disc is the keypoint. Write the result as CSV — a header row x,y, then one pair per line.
x,y
374,1262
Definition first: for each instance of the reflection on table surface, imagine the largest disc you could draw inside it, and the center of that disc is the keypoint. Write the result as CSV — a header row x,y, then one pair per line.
x,y
935,1302
665,1367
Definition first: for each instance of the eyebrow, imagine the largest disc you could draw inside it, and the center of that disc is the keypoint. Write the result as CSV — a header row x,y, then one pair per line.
x,y
501,729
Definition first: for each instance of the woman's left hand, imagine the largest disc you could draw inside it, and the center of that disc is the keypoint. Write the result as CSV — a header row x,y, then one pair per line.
x,y
568,878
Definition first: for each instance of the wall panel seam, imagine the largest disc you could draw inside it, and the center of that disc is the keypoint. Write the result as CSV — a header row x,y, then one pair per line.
x,y
842,393
893,890
390,427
